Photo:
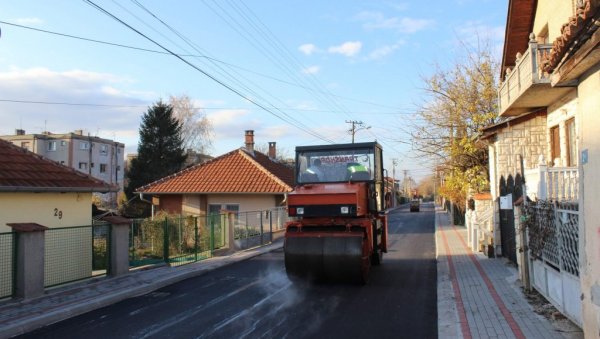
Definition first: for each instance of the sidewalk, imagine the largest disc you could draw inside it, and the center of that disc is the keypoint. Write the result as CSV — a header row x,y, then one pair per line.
x,y
479,297
18,317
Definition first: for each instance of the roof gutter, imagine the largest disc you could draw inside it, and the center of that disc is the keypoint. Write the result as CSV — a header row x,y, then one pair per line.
x,y
148,201
57,189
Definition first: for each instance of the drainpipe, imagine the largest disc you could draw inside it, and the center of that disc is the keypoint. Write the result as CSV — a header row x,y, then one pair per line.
x,y
151,204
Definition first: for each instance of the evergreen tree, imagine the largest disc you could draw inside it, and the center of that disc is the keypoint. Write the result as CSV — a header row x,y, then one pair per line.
x,y
160,149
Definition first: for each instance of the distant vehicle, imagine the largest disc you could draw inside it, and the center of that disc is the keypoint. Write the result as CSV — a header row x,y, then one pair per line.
x,y
414,205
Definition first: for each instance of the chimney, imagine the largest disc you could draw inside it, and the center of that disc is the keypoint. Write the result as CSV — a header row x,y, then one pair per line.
x,y
272,150
19,132
250,140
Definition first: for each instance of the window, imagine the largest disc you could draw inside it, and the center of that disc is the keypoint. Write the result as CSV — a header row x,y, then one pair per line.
x,y
84,145
554,146
103,149
26,145
63,143
92,165
51,145
102,168
83,165
571,135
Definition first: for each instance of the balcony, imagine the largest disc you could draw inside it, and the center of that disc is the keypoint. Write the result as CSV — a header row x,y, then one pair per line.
x,y
526,86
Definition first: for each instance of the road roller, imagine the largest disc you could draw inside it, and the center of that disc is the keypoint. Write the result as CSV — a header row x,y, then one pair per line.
x,y
339,226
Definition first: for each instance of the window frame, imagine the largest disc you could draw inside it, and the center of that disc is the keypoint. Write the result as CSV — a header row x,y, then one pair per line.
x,y
84,145
571,142
51,147
554,144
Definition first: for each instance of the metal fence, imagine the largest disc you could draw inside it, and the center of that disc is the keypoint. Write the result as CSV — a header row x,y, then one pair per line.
x,y
175,240
255,228
7,257
553,229
75,253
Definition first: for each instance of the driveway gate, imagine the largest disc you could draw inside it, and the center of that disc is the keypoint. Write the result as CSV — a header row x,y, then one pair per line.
x,y
512,187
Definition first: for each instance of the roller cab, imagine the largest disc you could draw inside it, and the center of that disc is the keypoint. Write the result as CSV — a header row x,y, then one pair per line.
x,y
340,228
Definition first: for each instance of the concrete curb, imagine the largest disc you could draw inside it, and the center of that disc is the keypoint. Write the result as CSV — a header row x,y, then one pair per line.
x,y
140,284
448,321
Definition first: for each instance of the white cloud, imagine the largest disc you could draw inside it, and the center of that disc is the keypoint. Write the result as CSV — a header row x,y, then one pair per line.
x,y
349,48
226,117
311,70
120,122
308,49
28,21
384,51
376,20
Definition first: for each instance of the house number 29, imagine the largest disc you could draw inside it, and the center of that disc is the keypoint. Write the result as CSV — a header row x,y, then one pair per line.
x,y
57,213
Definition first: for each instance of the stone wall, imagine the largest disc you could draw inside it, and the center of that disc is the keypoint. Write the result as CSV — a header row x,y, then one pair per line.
x,y
528,139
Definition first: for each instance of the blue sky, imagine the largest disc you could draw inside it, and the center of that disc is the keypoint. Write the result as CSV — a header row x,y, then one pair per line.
x,y
312,64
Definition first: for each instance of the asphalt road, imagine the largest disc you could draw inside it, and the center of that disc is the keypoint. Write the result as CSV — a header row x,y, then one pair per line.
x,y
254,299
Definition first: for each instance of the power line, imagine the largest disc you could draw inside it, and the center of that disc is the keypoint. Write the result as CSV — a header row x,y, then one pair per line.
x,y
201,70
108,43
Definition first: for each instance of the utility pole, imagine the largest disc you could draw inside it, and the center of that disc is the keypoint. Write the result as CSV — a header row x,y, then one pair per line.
x,y
356,126
405,184
394,163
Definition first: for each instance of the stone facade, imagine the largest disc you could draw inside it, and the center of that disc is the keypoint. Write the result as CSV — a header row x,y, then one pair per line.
x,y
529,139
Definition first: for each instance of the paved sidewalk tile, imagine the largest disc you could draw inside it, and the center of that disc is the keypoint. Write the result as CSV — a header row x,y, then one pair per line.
x,y
488,302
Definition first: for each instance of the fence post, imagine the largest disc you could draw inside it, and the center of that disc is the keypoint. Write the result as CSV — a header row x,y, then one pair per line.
x,y
166,240
118,262
195,238
29,252
271,224
231,230
212,235
261,228
542,188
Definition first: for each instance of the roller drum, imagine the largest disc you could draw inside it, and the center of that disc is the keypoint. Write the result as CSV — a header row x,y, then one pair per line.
x,y
335,258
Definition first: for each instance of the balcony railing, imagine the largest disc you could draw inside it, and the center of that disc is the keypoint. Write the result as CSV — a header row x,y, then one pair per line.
x,y
560,184
516,93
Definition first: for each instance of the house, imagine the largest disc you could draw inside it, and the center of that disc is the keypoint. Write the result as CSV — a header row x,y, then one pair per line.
x,y
547,144
97,157
37,190
240,180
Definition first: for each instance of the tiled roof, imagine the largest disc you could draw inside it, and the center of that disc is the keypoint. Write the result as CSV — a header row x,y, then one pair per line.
x,y
569,32
22,170
235,172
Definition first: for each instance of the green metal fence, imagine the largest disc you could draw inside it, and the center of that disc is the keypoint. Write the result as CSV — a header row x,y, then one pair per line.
x,y
7,258
75,253
176,240
256,228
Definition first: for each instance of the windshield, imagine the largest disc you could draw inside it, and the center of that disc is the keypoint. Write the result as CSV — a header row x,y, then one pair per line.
x,y
335,165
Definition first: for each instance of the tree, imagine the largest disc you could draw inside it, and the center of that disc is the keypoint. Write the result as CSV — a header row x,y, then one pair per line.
x,y
160,149
460,102
196,129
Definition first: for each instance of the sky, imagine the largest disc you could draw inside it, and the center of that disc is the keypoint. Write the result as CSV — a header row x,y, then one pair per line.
x,y
296,72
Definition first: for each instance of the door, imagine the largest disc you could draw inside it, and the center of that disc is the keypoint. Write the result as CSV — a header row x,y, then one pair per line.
x,y
507,219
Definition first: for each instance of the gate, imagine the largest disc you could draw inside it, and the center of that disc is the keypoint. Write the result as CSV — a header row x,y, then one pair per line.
x,y
512,187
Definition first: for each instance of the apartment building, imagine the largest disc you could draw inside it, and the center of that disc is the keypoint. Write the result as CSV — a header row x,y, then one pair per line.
x,y
100,158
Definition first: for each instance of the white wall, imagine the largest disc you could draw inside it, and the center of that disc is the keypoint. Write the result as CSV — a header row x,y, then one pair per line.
x,y
47,209
589,106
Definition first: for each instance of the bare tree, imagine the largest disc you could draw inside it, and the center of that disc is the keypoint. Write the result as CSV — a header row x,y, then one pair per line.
x,y
460,101
196,129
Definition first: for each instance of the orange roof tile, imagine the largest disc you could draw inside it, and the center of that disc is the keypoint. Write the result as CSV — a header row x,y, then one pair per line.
x,y
22,170
235,172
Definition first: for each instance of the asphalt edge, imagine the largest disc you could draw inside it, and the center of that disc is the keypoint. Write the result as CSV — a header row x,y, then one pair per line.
x,y
448,320
142,286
